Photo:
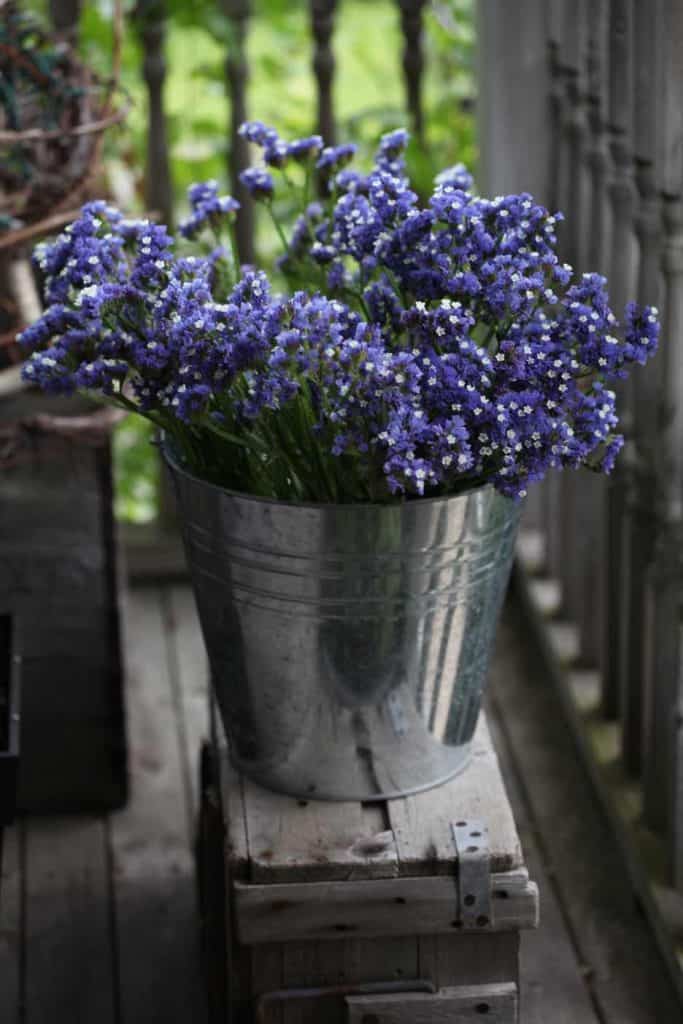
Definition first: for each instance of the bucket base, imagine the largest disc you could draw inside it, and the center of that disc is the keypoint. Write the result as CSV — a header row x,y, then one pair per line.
x,y
279,783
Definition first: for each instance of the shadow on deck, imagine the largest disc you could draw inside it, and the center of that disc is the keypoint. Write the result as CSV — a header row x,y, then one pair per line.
x,y
98,920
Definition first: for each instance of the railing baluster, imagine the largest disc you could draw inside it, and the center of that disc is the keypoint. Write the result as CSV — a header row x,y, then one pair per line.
x,y
559,178
413,61
322,28
622,200
65,16
640,523
586,602
577,549
663,764
151,26
236,76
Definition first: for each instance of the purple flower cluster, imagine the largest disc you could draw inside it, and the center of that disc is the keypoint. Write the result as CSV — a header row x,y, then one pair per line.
x,y
440,346
208,209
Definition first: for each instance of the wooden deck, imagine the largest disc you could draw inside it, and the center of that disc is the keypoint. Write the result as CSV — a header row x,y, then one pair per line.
x,y
98,915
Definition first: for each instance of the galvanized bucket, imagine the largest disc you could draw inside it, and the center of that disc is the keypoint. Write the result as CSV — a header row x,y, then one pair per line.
x,y
349,644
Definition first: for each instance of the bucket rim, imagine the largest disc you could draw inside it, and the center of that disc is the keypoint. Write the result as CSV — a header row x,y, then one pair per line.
x,y
318,506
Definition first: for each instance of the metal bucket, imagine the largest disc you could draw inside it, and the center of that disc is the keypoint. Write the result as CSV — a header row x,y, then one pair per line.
x,y
349,644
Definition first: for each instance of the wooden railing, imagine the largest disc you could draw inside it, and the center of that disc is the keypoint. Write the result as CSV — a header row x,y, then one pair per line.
x,y
594,90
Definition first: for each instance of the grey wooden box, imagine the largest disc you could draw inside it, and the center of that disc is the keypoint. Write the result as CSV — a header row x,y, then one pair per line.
x,y
59,574
356,913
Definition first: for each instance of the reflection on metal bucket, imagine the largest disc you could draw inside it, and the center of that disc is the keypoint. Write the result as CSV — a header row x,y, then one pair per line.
x,y
349,644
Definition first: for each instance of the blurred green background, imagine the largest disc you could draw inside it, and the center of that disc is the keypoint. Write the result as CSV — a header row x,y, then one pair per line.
x,y
369,100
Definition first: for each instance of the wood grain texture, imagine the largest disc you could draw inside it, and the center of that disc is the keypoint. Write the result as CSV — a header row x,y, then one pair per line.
x,y
190,678
422,823
68,955
553,982
628,979
385,906
288,840
449,1006
152,858
11,925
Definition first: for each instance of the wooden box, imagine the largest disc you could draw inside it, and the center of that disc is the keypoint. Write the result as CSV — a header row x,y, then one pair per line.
x,y
58,574
401,912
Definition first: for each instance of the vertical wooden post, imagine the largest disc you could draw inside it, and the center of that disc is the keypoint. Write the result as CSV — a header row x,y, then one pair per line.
x,y
515,121
577,549
663,763
151,26
560,101
236,75
65,15
149,18
586,600
622,199
413,61
640,522
322,29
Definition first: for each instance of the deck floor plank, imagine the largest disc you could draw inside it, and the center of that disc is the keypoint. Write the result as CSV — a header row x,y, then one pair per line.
x,y
158,945
190,675
68,953
11,925
552,986
123,948
625,973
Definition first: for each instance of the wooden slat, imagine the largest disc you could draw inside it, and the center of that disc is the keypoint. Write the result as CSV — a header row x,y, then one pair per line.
x,y
413,61
297,911
236,77
64,15
422,823
452,1005
628,979
11,926
69,952
190,678
322,29
553,985
662,794
153,866
151,26
293,839
622,196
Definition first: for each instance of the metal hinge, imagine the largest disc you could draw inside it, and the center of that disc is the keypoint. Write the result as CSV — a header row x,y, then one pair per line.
x,y
471,840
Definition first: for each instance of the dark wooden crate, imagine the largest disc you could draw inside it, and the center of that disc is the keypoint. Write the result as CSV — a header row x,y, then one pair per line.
x,y
59,574
317,911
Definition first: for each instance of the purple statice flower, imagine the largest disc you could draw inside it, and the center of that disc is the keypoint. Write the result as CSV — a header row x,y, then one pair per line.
x,y
390,155
457,177
258,183
333,158
277,154
451,346
306,149
208,209
641,333
258,133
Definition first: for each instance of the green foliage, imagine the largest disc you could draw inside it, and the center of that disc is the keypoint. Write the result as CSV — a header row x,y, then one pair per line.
x,y
369,100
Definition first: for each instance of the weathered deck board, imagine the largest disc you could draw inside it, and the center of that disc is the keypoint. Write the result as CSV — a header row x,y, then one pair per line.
x,y
552,985
11,934
68,943
189,674
155,905
625,974
152,920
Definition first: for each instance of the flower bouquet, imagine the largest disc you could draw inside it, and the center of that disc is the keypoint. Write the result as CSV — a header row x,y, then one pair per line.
x,y
349,454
